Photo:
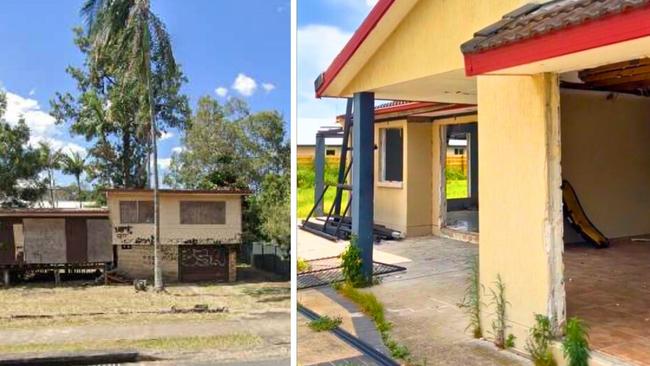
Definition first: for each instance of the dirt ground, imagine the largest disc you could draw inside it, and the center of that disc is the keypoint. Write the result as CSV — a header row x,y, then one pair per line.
x,y
254,323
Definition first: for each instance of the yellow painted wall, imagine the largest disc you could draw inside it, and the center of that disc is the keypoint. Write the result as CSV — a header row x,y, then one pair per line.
x,y
390,199
606,157
427,41
419,170
171,231
521,233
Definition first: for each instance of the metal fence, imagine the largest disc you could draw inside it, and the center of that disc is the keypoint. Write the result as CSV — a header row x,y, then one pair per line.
x,y
267,257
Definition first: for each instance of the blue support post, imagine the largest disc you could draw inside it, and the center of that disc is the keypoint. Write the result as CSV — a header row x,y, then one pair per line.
x,y
363,149
319,173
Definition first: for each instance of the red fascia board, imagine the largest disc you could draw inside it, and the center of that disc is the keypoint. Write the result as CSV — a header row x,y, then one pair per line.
x,y
602,32
353,44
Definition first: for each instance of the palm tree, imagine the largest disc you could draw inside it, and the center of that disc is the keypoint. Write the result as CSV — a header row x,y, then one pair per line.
x,y
51,161
75,164
129,32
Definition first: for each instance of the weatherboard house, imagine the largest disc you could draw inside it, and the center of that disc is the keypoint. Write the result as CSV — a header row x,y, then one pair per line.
x,y
543,93
200,232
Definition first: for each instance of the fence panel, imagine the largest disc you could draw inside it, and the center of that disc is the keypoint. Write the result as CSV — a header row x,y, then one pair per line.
x,y
266,257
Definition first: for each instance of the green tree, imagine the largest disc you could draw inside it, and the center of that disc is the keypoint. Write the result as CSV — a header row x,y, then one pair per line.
x,y
75,165
51,161
127,36
20,164
229,146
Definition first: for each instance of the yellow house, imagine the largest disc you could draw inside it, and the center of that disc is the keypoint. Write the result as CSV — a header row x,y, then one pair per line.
x,y
561,93
200,232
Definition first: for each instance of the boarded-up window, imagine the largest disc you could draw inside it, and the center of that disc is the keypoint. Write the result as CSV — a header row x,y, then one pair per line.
x,y
136,212
391,154
203,212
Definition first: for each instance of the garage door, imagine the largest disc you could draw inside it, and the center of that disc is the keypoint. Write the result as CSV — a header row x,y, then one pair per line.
x,y
202,263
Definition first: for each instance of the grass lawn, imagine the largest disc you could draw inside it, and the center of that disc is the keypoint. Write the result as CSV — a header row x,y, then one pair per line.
x,y
456,188
306,200
306,187
43,305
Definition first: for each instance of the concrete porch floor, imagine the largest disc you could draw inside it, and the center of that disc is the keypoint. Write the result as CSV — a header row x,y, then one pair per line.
x,y
463,220
610,289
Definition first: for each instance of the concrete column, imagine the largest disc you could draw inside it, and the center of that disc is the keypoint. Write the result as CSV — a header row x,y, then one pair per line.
x,y
363,144
520,213
6,277
319,172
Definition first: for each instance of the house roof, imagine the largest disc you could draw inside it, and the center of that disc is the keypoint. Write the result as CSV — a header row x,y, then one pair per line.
x,y
538,32
54,212
534,20
400,108
181,191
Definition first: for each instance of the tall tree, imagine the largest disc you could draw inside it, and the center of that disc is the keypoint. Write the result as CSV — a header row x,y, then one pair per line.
x,y
75,165
20,164
129,36
229,146
51,162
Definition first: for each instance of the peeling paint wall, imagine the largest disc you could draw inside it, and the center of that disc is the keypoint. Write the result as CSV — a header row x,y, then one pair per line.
x,y
520,216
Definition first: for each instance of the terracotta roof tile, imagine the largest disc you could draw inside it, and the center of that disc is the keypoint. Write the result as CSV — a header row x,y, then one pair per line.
x,y
533,20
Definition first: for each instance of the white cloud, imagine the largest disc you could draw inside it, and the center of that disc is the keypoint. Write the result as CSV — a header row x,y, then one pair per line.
x,y
317,46
245,85
32,92
371,3
65,146
166,135
39,122
268,87
221,91
164,163
178,149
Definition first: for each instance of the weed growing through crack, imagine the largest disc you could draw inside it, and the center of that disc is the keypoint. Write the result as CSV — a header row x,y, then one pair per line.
x,y
324,323
351,264
499,326
375,310
539,340
471,303
576,344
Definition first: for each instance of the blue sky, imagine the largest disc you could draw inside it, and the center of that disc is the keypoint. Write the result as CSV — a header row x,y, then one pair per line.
x,y
226,48
324,26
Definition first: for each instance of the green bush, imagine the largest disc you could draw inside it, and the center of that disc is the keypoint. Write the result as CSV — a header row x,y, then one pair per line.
x,y
303,265
351,265
455,174
539,340
576,344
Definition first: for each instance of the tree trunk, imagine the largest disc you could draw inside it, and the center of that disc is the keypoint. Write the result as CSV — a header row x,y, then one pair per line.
x,y
126,157
81,205
158,280
51,179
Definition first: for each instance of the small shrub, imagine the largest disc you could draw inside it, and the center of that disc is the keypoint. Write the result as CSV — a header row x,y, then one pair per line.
x,y
471,303
575,344
539,340
499,325
303,265
324,323
510,341
351,265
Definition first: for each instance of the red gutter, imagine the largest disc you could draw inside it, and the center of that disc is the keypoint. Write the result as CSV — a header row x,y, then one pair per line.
x,y
602,32
353,44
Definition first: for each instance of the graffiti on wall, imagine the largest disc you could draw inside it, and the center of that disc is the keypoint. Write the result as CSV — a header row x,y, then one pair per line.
x,y
203,257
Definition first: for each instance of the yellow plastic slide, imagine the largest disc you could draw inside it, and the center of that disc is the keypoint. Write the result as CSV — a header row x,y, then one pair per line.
x,y
576,215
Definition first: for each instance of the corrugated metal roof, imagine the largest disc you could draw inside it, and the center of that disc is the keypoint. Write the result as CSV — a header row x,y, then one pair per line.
x,y
53,212
534,20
